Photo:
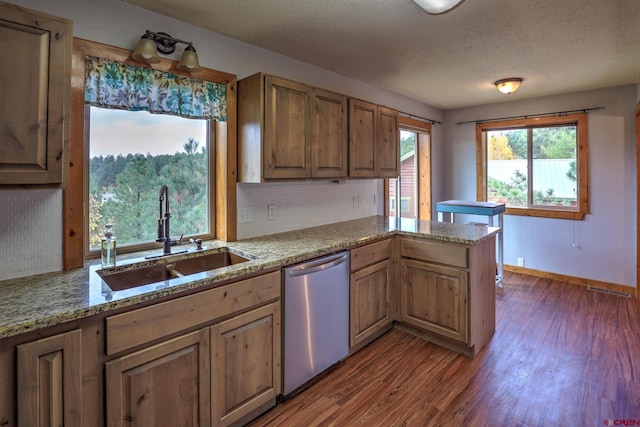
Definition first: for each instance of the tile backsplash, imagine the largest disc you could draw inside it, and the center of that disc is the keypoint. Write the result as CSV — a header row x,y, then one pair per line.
x,y
30,232
31,220
304,204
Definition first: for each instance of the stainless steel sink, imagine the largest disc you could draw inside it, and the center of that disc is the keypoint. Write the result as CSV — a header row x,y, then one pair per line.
x,y
165,269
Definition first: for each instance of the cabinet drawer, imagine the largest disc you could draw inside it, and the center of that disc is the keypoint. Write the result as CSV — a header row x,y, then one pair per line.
x,y
431,251
128,330
370,254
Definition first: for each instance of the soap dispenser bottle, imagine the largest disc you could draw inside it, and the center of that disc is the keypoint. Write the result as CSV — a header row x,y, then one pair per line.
x,y
108,248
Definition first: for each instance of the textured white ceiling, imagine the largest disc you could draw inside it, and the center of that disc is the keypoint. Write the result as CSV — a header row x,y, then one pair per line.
x,y
449,60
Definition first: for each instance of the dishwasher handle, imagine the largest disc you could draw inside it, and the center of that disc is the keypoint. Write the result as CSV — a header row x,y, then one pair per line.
x,y
313,267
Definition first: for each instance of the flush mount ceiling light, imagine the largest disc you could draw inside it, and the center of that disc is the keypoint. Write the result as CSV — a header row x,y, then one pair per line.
x,y
509,85
436,7
151,43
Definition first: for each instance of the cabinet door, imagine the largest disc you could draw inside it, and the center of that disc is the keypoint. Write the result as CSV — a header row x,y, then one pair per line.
x,y
34,85
369,301
387,139
362,134
164,385
287,140
50,381
434,298
330,135
246,372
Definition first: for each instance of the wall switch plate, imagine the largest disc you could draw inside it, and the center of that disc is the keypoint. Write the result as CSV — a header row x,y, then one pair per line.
x,y
271,212
244,215
520,262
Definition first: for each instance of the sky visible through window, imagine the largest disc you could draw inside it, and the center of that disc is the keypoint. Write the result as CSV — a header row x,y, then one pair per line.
x,y
122,132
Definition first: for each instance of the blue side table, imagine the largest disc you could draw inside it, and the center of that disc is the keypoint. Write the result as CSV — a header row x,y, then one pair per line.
x,y
488,209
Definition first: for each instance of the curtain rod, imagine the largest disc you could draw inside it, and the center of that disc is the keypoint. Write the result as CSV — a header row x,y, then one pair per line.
x,y
413,116
531,116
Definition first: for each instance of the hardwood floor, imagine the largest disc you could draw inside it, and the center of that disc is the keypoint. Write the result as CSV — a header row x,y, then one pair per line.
x,y
561,356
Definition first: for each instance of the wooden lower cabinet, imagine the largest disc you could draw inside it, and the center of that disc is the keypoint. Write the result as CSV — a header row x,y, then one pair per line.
x,y
221,375
371,285
370,301
225,372
50,381
246,374
434,298
447,292
163,385
213,358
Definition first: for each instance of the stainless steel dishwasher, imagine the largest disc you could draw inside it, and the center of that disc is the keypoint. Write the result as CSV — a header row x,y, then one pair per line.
x,y
316,317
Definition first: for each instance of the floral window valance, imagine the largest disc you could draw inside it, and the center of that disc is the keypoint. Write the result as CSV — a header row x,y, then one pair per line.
x,y
111,84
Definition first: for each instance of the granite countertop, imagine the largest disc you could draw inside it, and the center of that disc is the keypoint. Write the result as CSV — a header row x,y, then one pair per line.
x,y
35,302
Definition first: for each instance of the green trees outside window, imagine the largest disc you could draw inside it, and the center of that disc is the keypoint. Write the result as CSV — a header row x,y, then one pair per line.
x,y
534,166
124,183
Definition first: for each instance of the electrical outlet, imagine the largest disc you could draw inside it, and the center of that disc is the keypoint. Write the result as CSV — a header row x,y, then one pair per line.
x,y
361,201
520,262
244,215
271,209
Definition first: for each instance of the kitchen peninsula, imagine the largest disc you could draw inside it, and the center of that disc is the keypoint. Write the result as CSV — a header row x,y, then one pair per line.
x,y
438,283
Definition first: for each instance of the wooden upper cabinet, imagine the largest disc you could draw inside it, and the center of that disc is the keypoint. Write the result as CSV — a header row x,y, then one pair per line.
x,y
387,144
373,141
362,132
289,130
287,139
35,87
274,129
330,135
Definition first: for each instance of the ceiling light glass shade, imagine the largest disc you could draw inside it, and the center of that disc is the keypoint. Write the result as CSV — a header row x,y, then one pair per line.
x,y
509,85
436,7
146,52
189,61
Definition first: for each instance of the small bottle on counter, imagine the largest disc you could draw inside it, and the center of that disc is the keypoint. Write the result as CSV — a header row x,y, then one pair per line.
x,y
108,247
